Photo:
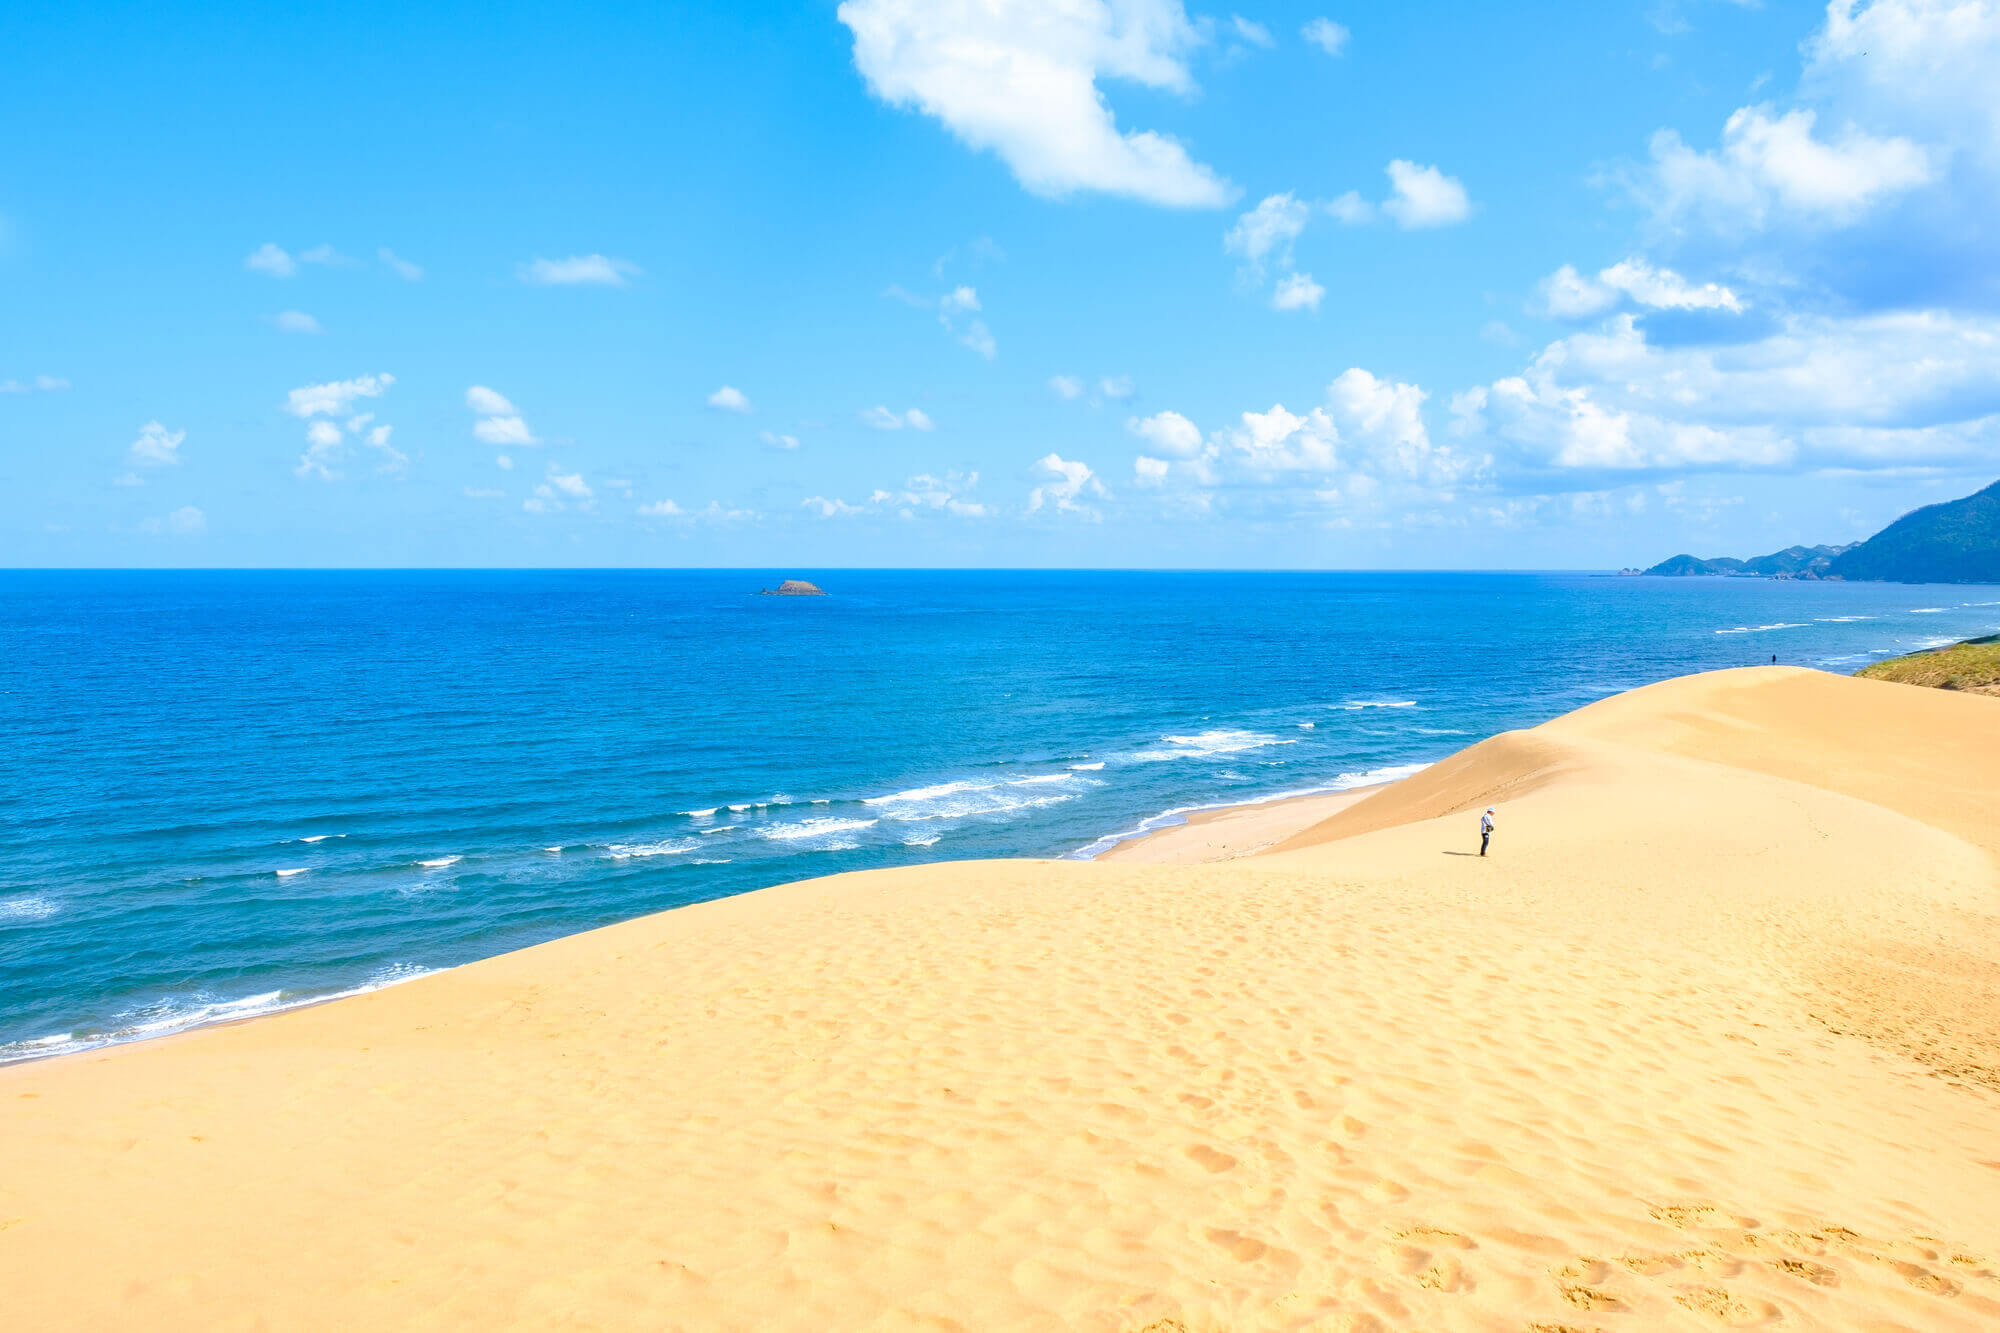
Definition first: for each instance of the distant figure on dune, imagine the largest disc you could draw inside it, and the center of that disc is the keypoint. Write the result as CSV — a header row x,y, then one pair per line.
x,y
1485,829
1774,659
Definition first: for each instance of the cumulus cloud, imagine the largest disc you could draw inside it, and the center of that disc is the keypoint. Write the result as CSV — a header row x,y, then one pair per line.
x,y
1567,294
662,509
1168,433
1067,387
727,399
1020,78
1297,291
1351,208
270,260
1067,482
558,491
1883,390
500,424
402,268
187,521
1267,232
336,397
1424,197
579,271
881,418
156,446
327,441
1327,35
1773,168
830,508
295,321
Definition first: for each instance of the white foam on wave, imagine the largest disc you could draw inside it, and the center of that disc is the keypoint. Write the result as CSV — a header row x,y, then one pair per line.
x,y
1356,705
320,837
167,1016
1374,777
926,793
702,814
1759,629
1209,744
1307,726
294,870
1928,610
1087,768
922,842
28,907
820,826
628,851
719,828
439,863
1839,620
556,849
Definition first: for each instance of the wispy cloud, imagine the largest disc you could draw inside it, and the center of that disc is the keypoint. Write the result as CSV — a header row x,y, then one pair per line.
x,y
881,418
579,271
295,321
270,260
402,268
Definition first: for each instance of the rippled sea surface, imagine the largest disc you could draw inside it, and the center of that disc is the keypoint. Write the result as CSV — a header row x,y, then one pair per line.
x,y
225,793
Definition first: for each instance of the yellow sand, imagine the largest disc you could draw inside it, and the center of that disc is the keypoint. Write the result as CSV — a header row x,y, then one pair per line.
x,y
1233,831
1712,1039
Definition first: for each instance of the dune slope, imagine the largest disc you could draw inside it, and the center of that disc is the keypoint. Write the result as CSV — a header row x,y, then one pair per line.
x,y
1705,1043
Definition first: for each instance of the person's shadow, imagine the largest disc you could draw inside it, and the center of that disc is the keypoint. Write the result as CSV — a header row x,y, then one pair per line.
x,y
1474,855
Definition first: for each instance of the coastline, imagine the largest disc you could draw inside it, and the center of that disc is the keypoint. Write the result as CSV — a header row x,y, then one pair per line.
x,y
1722,1007
1227,832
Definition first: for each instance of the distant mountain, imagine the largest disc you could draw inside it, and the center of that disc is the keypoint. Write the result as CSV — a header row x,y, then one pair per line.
x,y
1954,542
1794,562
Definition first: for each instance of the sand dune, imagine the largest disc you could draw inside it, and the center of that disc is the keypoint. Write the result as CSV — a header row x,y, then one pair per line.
x,y
1709,1041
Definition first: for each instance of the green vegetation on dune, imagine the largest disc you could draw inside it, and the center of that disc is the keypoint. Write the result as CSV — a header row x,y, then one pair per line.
x,y
1973,665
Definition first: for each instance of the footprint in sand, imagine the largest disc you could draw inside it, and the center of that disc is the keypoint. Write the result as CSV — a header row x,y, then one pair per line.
x,y
1208,1159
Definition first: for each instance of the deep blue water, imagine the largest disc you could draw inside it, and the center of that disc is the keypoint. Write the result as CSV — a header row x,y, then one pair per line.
x,y
225,792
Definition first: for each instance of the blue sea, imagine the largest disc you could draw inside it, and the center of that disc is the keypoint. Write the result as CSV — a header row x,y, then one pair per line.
x,y
224,793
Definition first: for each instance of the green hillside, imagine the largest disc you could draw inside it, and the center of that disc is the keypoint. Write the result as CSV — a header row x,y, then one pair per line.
x,y
1954,542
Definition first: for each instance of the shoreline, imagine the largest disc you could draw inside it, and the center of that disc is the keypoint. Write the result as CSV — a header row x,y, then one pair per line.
x,y
1206,834
1368,1075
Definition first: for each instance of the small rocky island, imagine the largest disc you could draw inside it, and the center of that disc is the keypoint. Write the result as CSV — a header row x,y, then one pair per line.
x,y
792,588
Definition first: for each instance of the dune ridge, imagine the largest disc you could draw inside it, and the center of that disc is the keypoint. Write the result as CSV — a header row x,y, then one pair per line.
x,y
1707,1042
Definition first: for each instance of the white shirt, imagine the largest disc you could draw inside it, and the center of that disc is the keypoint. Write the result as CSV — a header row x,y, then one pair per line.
x,y
1486,823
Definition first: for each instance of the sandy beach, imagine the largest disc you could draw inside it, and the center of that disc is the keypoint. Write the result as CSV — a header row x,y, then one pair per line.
x,y
1228,832
1711,1040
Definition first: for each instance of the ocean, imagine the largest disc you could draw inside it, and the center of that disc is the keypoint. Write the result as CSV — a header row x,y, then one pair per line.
x,y
225,793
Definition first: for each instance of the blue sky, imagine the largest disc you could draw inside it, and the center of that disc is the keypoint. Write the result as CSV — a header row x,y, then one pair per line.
x,y
1022,283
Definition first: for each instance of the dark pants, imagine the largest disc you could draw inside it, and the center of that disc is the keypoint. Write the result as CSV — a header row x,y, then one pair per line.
x,y
1484,834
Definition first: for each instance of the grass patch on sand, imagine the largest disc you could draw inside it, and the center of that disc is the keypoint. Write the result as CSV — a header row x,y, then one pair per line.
x,y
1973,665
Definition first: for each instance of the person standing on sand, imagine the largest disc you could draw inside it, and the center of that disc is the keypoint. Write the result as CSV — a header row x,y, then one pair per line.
x,y
1485,829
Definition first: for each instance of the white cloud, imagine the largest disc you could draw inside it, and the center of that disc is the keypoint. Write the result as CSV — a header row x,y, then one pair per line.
x,y
1297,291
774,440
980,339
1267,232
51,383
579,270
727,399
504,463
1351,209
295,321
1567,294
187,521
830,508
156,446
503,432
334,399
1327,35
959,300
1068,481
488,403
500,422
402,268
1149,471
569,483
483,493
1772,168
1887,390
1067,387
326,255
1168,433
662,509
881,418
1019,77
1424,197
13,386
1252,32
1115,387
269,259
1664,289
326,444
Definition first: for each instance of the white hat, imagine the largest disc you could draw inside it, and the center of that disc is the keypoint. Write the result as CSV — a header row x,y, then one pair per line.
x,y
1489,809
